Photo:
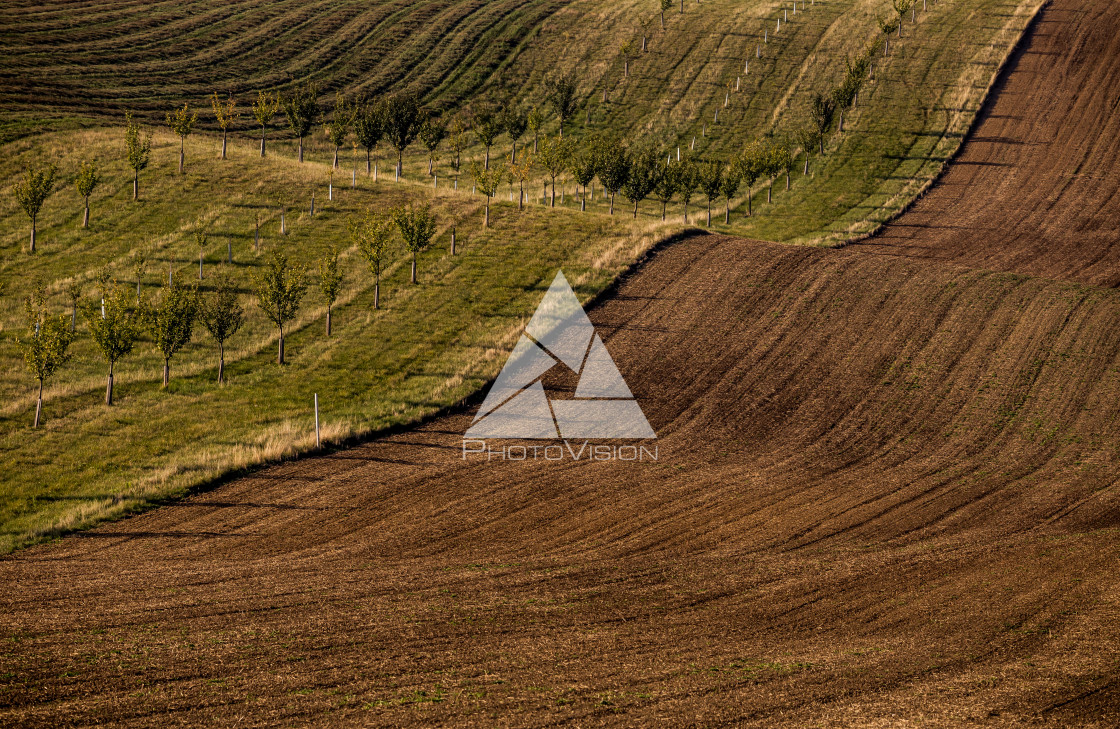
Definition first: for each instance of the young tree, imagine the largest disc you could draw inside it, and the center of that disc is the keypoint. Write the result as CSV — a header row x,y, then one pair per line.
x,y
280,289
74,296
688,178
752,163
886,27
169,321
139,259
417,225
369,127
560,89
667,181
114,331
625,50
554,156
339,125
711,179
372,236
330,280
522,171
665,5
822,109
89,177
182,123
535,120
487,124
732,176
901,7
222,315
583,164
46,344
487,182
200,241
226,114
403,117
264,110
808,139
643,175
139,151
614,167
432,133
32,191
301,106
458,139
783,160
514,122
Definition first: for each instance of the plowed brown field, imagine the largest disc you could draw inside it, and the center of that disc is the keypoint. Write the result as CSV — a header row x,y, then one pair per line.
x,y
1036,188
886,495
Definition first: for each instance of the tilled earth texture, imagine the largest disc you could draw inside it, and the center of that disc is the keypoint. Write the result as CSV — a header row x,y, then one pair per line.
x,y
885,495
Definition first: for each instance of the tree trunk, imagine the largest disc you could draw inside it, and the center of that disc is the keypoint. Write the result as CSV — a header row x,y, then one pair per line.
x,y
136,184
74,318
583,200
280,349
262,140
431,162
553,192
400,164
663,204
787,179
612,203
749,211
166,371
709,212
806,162
840,128
486,220
821,140
221,362
367,162
377,293
635,210
39,404
513,154
727,211
521,196
770,192
109,387
200,265
453,241
414,267
487,163
662,20
334,164
32,235
223,144
85,216
182,153
328,320
301,149
283,229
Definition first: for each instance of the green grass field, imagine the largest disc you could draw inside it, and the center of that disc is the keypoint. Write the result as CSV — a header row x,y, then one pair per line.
x,y
434,343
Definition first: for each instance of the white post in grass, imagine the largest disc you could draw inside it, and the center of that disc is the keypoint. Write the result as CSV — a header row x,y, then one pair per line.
x,y
317,441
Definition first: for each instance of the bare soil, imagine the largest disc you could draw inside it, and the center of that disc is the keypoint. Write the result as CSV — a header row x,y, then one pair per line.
x,y
885,495
1036,187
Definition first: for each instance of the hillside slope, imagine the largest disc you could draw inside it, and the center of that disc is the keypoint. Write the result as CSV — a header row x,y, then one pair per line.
x,y
877,480
1036,188
887,493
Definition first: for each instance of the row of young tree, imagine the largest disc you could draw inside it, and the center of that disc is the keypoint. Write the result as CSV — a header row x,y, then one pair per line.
x,y
169,320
